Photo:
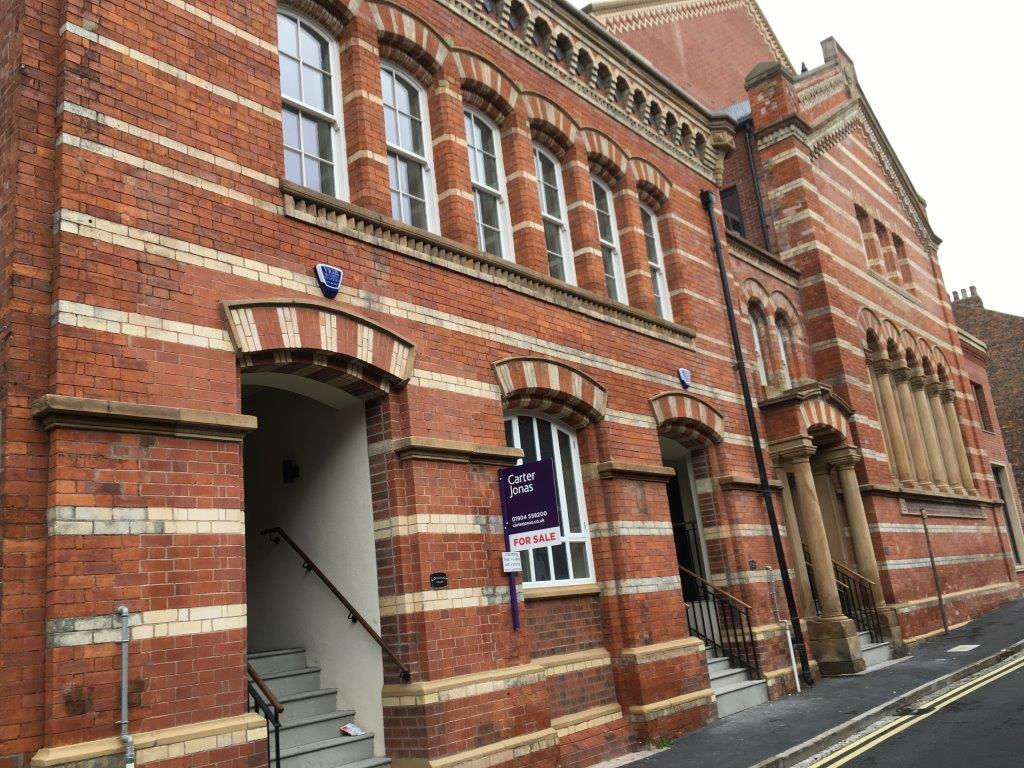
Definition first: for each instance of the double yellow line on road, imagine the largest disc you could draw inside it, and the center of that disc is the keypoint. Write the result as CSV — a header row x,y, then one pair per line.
x,y
903,722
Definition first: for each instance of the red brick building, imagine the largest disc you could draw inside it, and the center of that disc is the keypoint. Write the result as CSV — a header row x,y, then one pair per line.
x,y
517,201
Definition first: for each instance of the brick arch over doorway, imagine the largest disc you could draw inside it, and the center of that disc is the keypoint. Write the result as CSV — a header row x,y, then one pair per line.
x,y
319,341
688,419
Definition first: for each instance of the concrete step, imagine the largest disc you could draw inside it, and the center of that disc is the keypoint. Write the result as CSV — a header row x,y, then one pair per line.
x,y
724,678
371,762
314,728
329,753
739,696
266,662
876,653
298,706
716,663
292,681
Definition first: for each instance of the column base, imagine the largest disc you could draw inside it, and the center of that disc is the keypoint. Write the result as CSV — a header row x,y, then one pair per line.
x,y
835,645
891,629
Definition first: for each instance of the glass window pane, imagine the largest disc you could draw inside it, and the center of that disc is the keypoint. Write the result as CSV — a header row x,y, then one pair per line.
x,y
524,558
580,566
387,87
553,238
572,506
604,227
490,171
552,205
290,118
418,213
312,170
491,241
391,126
405,97
414,180
316,89
609,285
324,143
327,179
293,166
487,209
290,79
542,568
527,441
509,436
547,448
310,135
561,559
287,40
312,50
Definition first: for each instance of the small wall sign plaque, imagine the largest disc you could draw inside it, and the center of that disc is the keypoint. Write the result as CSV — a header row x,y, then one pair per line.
x,y
438,580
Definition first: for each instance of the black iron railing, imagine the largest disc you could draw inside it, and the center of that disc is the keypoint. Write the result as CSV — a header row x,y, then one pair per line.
x,y
855,597
265,702
722,621
277,535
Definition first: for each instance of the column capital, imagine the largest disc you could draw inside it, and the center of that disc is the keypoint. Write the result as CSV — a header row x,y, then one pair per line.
x,y
932,385
917,379
879,362
793,450
844,457
947,392
900,372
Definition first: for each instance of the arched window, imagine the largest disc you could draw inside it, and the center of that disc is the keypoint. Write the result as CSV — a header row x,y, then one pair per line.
x,y
656,262
608,231
570,561
310,112
552,211
784,334
488,177
408,140
758,325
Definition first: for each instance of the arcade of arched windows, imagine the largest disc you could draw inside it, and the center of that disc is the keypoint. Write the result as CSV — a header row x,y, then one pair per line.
x,y
915,399
775,334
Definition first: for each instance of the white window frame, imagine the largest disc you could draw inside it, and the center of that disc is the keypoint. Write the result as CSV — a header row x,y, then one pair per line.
x,y
1011,516
656,261
568,537
562,220
335,118
787,377
427,159
480,187
762,372
619,277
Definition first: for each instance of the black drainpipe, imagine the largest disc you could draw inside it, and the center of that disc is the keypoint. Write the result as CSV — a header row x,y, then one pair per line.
x,y
708,199
748,134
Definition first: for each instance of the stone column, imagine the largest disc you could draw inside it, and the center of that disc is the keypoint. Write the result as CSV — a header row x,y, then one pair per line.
x,y
817,538
900,456
901,378
845,461
796,547
833,636
931,439
934,389
959,447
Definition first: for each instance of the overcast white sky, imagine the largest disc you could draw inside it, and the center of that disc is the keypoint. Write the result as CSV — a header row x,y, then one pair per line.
x,y
943,79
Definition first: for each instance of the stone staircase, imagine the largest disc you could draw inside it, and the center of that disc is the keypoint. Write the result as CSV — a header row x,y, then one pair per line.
x,y
734,689
874,653
309,724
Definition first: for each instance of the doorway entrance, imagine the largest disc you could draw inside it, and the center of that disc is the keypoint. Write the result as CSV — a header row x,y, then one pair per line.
x,y
306,472
691,552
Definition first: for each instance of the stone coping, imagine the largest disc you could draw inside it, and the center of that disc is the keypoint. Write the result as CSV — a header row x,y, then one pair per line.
x,y
348,218
62,411
687,700
762,259
112,745
922,494
461,681
603,710
745,483
576,657
669,649
497,753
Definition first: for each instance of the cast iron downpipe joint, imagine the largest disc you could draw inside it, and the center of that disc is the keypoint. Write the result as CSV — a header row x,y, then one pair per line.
x,y
707,198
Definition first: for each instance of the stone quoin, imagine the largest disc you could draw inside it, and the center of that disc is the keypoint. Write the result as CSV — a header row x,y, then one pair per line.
x,y
193,430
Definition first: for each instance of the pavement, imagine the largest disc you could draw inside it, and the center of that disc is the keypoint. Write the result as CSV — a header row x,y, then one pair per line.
x,y
784,732
976,722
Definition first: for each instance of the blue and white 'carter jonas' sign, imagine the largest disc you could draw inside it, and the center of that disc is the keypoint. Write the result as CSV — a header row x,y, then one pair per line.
x,y
329,279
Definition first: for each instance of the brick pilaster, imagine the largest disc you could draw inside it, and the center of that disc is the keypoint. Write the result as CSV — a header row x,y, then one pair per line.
x,y
579,195
523,192
451,157
633,245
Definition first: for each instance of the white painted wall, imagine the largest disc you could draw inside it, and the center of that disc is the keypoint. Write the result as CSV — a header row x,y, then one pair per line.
x,y
327,511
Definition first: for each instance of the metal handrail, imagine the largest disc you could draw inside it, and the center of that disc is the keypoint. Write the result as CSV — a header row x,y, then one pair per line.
x,y
855,597
276,534
723,622
265,702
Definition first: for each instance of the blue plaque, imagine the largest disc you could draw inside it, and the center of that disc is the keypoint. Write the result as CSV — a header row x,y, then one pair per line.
x,y
329,279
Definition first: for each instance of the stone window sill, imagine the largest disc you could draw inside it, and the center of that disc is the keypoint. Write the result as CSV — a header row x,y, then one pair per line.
x,y
553,593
